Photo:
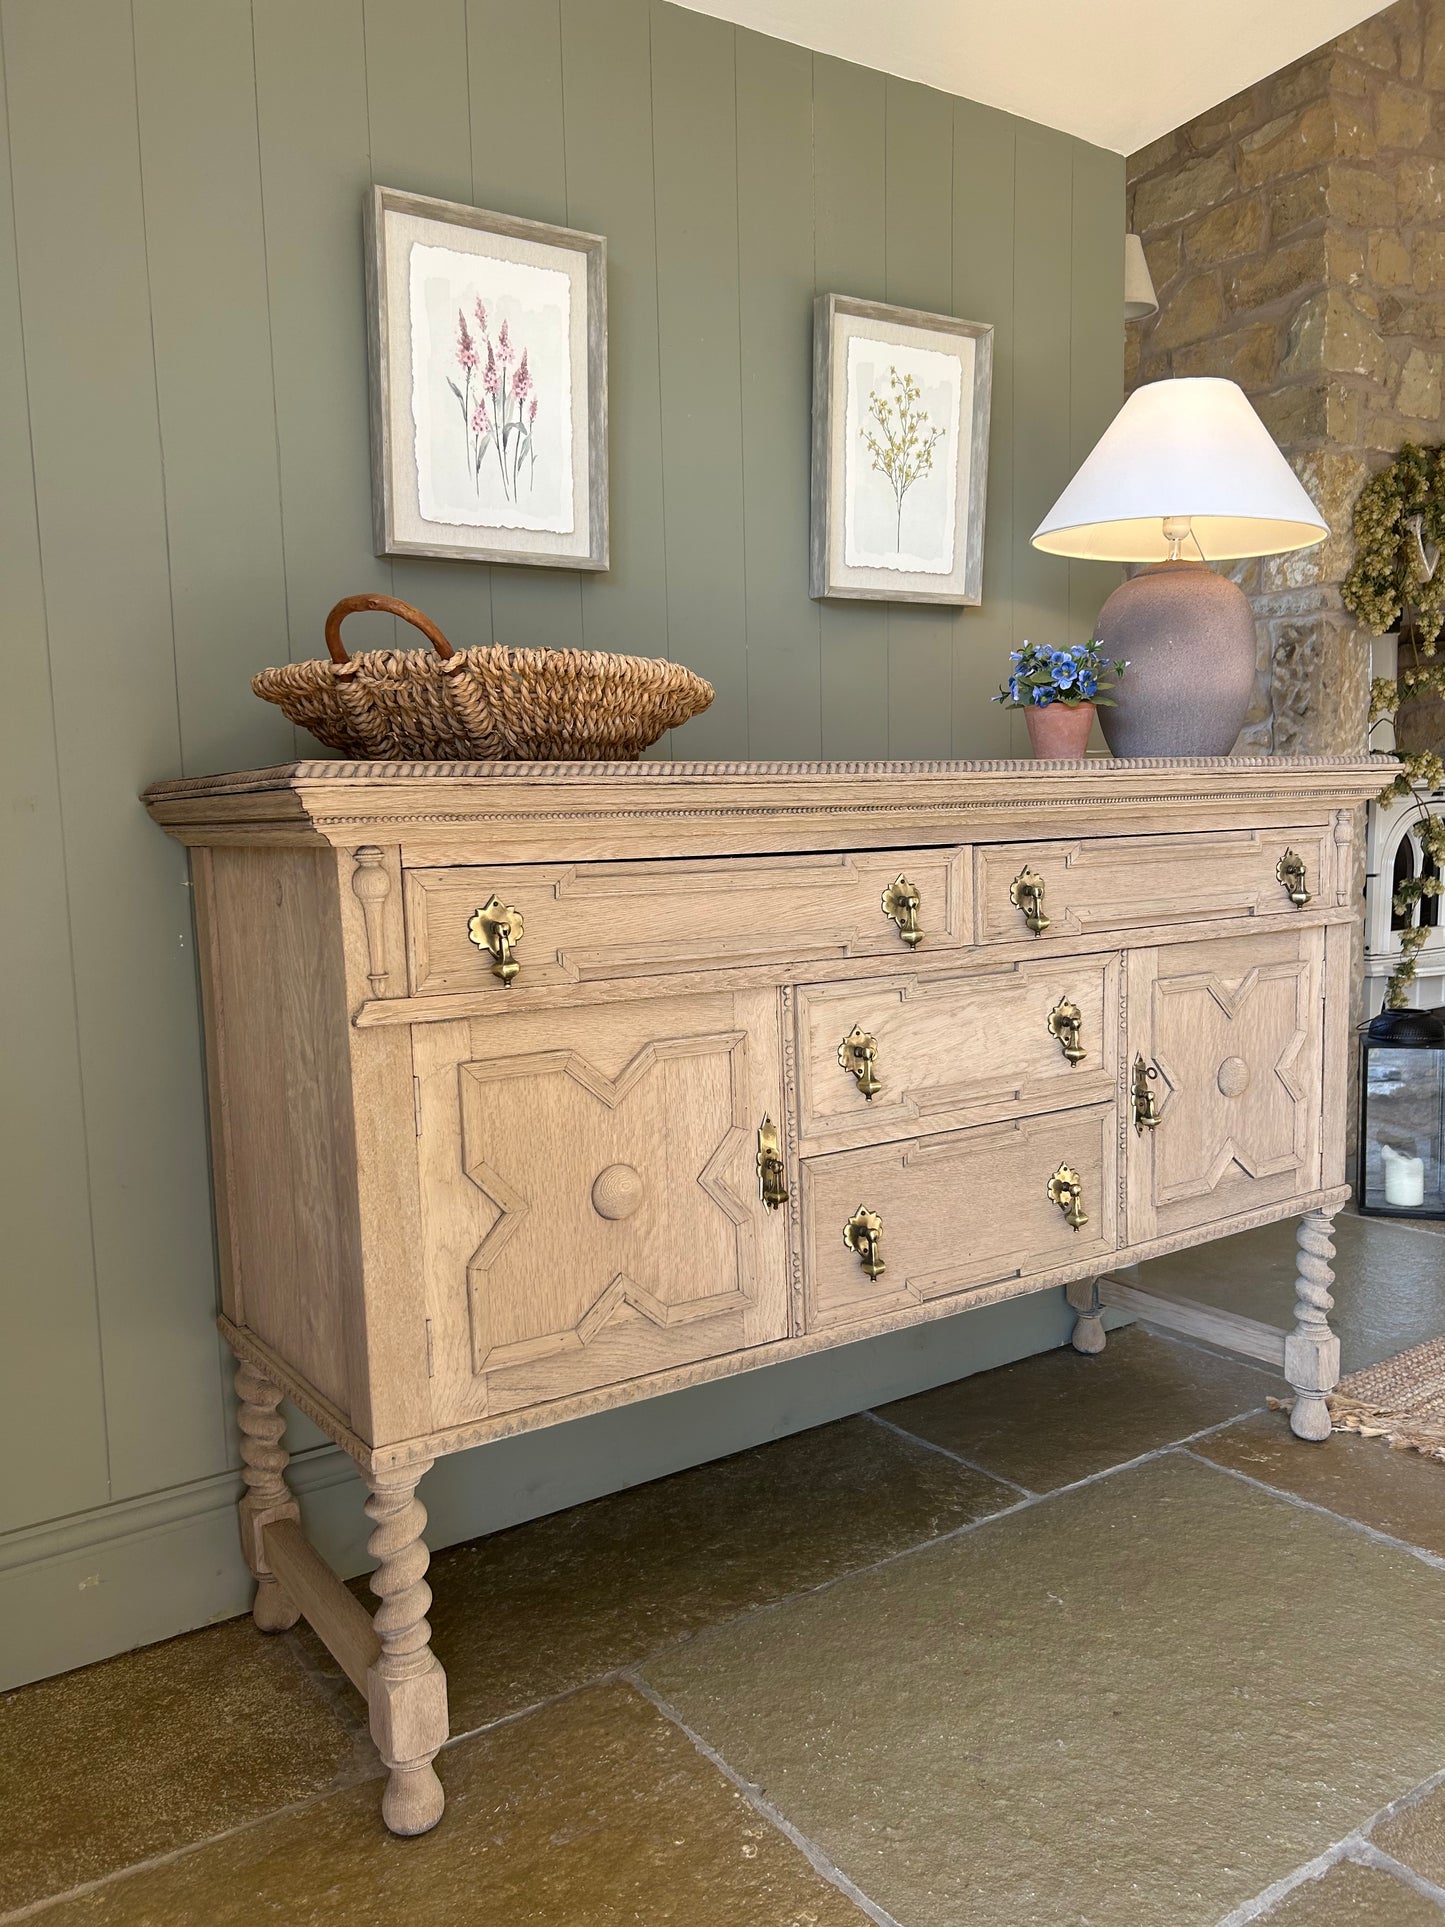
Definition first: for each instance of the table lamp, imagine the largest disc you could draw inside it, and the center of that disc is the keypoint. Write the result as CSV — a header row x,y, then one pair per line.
x,y
1186,474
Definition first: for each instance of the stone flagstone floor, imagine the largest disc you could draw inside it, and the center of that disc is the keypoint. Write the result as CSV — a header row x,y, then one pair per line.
x,y
1076,1643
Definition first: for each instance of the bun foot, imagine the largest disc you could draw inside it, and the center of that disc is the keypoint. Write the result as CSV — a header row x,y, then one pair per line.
x,y
1083,1295
1089,1336
413,1800
272,1611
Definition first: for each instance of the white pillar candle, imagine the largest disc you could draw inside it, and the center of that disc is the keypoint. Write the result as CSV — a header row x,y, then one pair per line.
x,y
1404,1177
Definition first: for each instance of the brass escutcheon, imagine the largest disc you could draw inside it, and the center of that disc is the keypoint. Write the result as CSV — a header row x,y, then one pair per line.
x,y
1146,1105
772,1172
1066,1190
1026,893
1291,872
856,1055
863,1234
1066,1020
497,928
901,903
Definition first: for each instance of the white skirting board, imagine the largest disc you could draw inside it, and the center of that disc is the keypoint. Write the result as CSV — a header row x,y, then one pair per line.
x,y
80,1589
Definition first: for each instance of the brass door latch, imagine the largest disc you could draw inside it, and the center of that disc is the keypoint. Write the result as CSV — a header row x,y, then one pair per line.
x,y
1066,1190
498,928
772,1172
863,1234
1291,872
1146,1105
1066,1021
901,903
856,1055
1026,893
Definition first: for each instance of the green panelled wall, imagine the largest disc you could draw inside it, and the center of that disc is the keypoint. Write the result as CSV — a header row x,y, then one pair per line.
x,y
184,491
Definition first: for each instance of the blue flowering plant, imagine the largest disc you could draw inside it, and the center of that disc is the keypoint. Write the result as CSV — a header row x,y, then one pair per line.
x,y
1040,676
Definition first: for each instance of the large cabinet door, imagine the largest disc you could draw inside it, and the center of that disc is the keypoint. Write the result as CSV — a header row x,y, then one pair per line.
x,y
1234,1031
589,1195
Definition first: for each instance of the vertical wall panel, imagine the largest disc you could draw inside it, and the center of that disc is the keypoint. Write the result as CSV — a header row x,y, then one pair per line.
x,y
918,265
775,249
607,84
89,358
849,257
311,106
983,290
1096,347
206,255
50,1379
519,165
1043,212
695,158
418,113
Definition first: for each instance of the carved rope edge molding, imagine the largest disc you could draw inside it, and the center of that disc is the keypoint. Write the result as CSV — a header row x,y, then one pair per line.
x,y
723,808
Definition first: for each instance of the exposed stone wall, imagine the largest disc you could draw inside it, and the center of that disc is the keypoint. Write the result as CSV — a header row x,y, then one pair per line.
x,y
1296,236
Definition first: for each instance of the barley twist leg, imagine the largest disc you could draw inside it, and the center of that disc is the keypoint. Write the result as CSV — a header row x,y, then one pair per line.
x,y
1312,1351
267,1497
406,1687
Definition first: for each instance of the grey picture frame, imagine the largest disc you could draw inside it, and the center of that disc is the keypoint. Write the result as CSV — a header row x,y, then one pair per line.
x,y
588,548
828,577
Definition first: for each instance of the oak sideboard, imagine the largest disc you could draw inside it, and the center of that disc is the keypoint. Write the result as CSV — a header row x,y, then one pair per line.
x,y
540,1088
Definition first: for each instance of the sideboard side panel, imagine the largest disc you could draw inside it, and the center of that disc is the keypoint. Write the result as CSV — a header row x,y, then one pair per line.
x,y
287,1179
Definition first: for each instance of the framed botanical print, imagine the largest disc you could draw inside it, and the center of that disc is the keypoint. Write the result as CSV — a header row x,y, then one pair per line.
x,y
488,352
900,452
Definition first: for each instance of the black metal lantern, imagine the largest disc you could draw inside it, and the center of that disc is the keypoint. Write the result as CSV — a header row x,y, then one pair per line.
x,y
1402,1114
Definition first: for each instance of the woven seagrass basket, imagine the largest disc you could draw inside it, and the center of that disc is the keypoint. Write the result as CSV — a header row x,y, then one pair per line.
x,y
485,705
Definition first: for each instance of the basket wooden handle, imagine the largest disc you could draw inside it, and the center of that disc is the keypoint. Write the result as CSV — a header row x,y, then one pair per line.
x,y
392,606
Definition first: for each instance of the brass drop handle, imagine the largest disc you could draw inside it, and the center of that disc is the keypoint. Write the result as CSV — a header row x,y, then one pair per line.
x,y
1066,1021
1026,893
1066,1190
1291,872
863,1234
772,1172
901,903
856,1055
1146,1105
498,928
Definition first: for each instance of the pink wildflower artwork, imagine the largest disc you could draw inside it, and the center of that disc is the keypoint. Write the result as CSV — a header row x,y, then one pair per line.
x,y
509,423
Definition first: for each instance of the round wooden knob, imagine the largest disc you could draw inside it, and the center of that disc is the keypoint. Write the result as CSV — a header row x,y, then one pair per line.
x,y
617,1191
1233,1077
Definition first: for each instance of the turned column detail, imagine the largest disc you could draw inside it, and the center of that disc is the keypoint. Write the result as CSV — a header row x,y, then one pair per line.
x,y
267,1498
1312,1351
406,1687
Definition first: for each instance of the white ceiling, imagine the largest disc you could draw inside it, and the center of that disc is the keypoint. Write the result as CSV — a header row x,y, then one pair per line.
x,y
1115,72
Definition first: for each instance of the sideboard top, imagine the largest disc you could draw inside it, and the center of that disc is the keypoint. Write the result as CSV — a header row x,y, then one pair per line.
x,y
639,807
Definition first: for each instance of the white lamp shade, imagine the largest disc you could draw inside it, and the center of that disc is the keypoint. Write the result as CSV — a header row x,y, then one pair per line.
x,y
1192,447
1139,296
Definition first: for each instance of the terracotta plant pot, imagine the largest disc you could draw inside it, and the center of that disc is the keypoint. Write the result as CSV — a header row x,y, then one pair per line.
x,y
1061,730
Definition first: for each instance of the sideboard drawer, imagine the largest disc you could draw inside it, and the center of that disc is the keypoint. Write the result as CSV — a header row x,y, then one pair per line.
x,y
955,1049
1110,883
586,922
958,1212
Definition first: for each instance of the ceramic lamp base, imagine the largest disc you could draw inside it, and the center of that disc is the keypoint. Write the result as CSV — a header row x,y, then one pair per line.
x,y
1188,637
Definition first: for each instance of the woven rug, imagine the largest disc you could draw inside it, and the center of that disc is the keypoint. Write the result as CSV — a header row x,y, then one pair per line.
x,y
1401,1401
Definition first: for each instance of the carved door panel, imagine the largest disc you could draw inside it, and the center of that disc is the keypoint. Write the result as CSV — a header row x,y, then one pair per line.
x,y
590,1207
1233,1031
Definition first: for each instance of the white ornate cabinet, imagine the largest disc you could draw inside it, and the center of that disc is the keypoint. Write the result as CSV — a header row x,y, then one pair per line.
x,y
540,1088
